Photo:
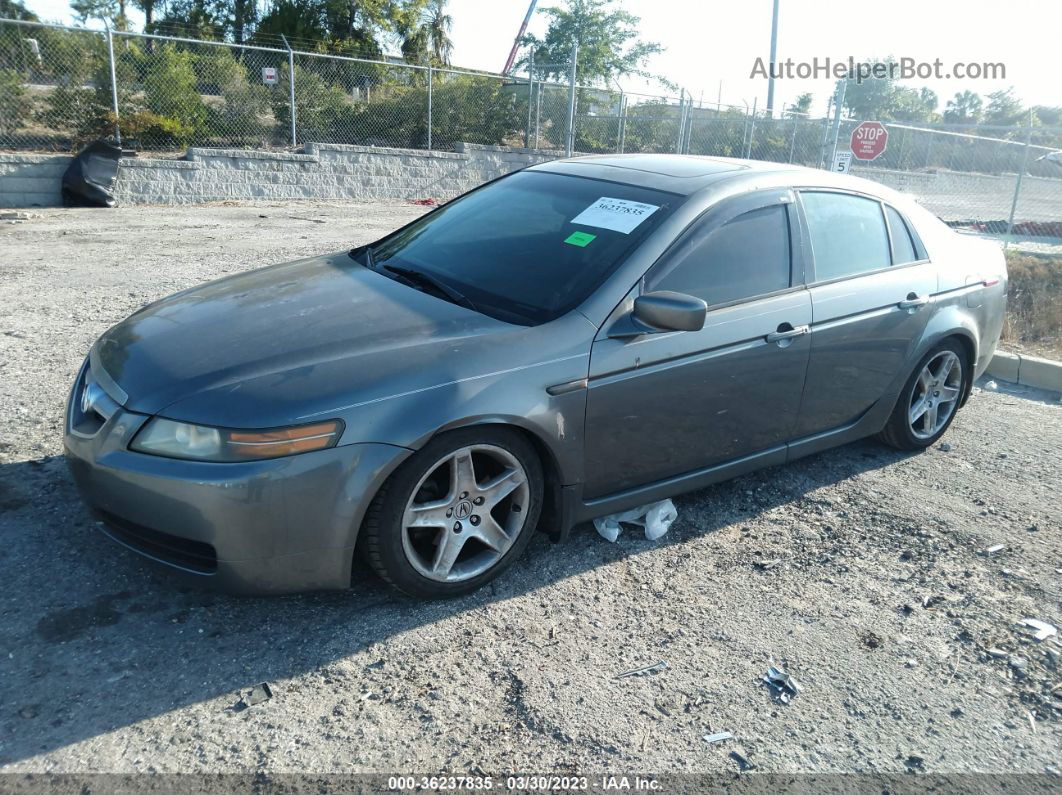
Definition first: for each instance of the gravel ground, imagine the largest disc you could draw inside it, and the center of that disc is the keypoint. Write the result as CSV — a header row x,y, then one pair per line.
x,y
860,570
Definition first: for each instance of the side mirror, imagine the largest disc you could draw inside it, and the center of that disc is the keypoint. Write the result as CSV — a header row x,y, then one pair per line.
x,y
668,311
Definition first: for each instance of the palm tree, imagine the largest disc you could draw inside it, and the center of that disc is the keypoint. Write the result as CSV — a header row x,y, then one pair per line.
x,y
437,25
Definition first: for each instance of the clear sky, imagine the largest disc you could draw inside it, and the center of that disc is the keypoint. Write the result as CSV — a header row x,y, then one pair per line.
x,y
708,43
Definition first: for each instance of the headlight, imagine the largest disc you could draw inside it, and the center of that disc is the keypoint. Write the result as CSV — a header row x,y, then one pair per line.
x,y
201,443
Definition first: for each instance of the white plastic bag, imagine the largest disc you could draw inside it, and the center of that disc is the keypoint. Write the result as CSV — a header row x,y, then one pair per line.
x,y
656,518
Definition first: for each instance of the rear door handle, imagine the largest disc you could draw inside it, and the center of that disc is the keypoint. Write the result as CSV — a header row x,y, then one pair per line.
x,y
914,301
787,331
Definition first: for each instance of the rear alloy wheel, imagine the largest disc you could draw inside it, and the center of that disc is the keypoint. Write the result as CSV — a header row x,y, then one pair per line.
x,y
929,400
936,394
457,513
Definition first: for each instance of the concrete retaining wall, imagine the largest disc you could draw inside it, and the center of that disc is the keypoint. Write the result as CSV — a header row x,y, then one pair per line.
x,y
322,171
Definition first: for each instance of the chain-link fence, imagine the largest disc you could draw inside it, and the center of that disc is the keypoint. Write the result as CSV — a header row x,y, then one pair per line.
x,y
61,87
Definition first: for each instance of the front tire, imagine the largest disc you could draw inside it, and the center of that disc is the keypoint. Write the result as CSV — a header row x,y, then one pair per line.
x,y
457,513
929,400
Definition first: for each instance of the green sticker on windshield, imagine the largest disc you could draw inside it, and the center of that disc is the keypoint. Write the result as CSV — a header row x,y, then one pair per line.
x,y
580,239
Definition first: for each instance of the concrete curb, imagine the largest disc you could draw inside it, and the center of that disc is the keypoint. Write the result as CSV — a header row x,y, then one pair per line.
x,y
1026,370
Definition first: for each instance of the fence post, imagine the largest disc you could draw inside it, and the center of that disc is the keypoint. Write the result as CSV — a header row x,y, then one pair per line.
x,y
114,86
622,123
752,129
681,121
792,143
530,97
1017,184
538,114
429,105
689,127
571,102
291,87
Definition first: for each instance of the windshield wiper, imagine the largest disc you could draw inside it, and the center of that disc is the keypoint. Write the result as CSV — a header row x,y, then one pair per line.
x,y
415,278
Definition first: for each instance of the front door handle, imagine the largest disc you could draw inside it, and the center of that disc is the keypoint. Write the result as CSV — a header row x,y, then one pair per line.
x,y
914,301
786,331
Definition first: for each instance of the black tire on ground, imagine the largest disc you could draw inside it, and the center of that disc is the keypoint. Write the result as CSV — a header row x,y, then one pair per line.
x,y
382,530
898,432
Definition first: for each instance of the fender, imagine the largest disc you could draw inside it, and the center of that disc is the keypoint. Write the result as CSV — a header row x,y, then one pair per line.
x,y
948,320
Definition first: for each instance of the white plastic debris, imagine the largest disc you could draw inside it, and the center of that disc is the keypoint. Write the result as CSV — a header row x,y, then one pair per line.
x,y
718,737
646,671
782,686
1043,629
656,518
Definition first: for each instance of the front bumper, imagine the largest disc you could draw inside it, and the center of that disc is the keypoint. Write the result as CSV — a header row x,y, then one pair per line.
x,y
276,526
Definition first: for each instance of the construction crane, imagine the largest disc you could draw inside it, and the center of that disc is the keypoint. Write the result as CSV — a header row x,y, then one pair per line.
x,y
519,35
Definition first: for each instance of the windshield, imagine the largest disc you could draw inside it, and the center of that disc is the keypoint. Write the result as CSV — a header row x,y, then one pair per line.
x,y
529,247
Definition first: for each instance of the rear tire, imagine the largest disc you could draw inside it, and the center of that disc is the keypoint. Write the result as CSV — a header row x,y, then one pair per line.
x,y
929,400
456,514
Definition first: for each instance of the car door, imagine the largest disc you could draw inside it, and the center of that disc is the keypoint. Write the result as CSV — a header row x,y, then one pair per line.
x,y
663,404
871,285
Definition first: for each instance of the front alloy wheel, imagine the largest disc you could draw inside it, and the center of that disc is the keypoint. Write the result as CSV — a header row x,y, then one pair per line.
x,y
465,513
456,513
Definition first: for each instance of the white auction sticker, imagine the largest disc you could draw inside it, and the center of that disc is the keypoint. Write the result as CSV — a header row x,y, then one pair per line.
x,y
619,215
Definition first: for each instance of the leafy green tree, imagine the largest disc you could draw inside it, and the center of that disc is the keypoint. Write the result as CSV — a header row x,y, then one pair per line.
x,y
193,19
148,7
15,9
873,98
429,41
242,15
358,26
297,20
320,108
106,11
15,104
1004,108
610,46
964,108
802,104
171,89
912,105
245,102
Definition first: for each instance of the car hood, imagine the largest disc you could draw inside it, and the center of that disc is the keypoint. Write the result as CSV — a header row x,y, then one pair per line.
x,y
267,347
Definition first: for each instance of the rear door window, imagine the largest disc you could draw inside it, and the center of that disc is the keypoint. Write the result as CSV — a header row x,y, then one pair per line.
x,y
848,234
746,257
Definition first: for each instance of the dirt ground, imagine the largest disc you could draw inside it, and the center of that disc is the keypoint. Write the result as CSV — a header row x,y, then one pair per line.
x,y
861,570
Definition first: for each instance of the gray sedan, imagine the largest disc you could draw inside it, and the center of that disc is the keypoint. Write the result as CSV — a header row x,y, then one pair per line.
x,y
569,341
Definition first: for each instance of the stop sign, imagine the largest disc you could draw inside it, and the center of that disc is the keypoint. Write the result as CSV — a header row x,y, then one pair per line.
x,y
869,139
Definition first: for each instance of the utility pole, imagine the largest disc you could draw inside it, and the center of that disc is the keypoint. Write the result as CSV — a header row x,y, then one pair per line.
x,y
114,86
530,98
571,101
774,55
838,105
291,87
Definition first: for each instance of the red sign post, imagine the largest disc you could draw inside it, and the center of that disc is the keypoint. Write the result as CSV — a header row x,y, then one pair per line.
x,y
869,140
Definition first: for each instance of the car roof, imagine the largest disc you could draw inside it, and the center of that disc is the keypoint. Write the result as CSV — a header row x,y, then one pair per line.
x,y
682,174
688,174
